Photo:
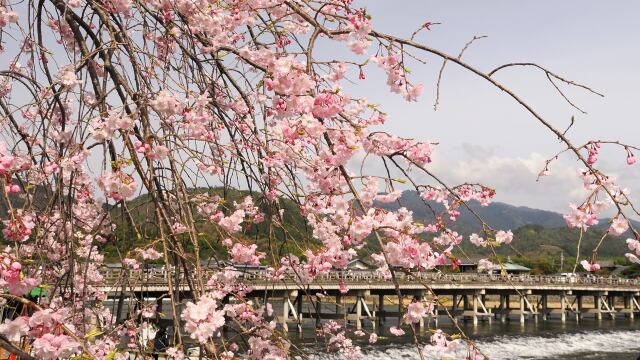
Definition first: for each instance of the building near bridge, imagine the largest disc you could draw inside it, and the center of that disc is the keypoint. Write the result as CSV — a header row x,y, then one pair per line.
x,y
512,268
470,265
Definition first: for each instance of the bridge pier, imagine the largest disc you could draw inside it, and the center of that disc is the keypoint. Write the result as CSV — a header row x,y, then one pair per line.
x,y
380,313
358,312
454,310
158,308
627,306
318,312
579,308
630,305
421,322
475,310
478,303
563,307
285,312
504,305
288,308
612,306
340,309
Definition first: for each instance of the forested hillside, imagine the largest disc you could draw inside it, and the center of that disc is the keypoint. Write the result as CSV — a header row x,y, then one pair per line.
x,y
540,236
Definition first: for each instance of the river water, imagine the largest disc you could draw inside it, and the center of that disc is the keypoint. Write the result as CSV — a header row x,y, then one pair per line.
x,y
590,339
617,339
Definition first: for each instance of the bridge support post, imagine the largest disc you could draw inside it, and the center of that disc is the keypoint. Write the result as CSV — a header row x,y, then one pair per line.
x,y
421,322
563,307
299,300
380,309
545,306
628,306
318,313
454,307
475,309
358,312
598,306
522,317
158,308
483,300
504,307
579,307
612,305
285,311
340,308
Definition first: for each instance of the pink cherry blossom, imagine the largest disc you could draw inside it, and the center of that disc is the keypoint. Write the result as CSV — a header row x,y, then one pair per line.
x,y
484,264
327,105
150,254
477,240
631,159
232,223
202,320
590,266
68,77
20,227
51,347
373,338
131,263
581,217
388,198
634,245
504,237
244,255
618,226
440,344
178,228
632,258
15,329
105,128
415,312
7,17
175,354
117,185
339,70
166,104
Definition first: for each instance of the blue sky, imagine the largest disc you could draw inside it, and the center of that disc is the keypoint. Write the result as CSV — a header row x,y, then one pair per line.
x,y
486,136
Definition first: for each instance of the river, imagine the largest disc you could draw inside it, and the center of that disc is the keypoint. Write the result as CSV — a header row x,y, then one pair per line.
x,y
590,339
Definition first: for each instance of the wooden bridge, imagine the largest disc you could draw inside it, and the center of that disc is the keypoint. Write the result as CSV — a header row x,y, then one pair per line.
x,y
370,298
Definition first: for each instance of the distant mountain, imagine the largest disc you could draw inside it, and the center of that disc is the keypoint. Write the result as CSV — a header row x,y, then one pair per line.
x,y
498,215
537,233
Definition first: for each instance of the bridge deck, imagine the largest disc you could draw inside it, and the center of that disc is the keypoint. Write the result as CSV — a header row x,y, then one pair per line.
x,y
153,280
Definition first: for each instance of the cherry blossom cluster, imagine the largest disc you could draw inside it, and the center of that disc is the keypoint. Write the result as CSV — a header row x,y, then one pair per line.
x,y
188,103
202,320
45,326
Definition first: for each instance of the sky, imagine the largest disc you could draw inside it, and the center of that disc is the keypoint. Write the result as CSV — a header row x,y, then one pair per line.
x,y
483,134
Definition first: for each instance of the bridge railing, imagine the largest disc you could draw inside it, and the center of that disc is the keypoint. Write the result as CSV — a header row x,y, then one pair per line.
x,y
159,276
